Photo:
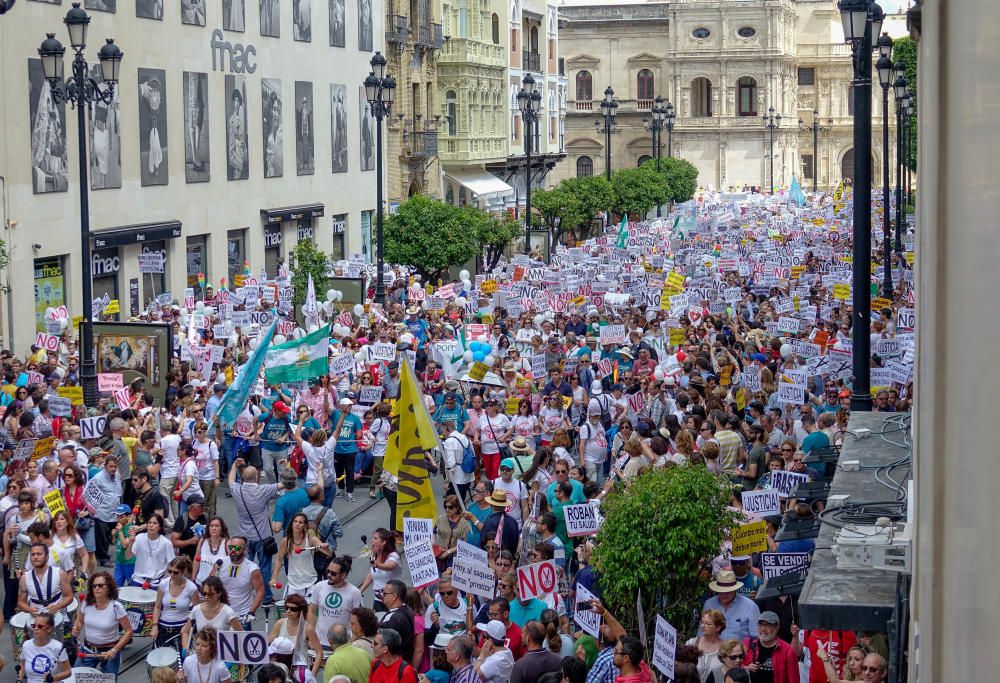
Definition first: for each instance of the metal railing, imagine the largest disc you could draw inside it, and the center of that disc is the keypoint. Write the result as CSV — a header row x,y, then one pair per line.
x,y
421,145
396,30
531,61
584,105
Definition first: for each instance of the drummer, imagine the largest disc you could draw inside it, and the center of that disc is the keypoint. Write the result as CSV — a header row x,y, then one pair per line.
x,y
152,552
242,579
213,611
174,600
105,625
43,658
43,589
204,665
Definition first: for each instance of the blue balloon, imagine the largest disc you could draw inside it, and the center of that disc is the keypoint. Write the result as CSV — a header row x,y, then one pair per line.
x,y
487,349
474,346
478,356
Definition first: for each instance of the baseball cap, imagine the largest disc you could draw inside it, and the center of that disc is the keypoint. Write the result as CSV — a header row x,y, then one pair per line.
x,y
279,407
280,646
769,617
508,463
494,629
759,357
123,509
221,386
346,402
596,388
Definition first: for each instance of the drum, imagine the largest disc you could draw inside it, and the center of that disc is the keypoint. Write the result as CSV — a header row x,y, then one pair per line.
x,y
138,604
20,630
238,672
166,657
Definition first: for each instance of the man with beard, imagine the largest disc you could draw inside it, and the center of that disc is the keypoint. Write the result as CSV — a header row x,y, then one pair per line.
x,y
242,580
44,589
331,601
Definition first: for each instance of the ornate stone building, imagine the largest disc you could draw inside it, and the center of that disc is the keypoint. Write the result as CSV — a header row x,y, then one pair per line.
x,y
722,64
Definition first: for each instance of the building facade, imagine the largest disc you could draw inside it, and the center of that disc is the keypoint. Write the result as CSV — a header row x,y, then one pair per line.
x,y
723,65
237,130
413,40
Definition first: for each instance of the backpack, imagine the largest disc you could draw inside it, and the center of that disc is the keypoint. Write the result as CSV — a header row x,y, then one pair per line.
x,y
468,457
399,672
320,561
605,414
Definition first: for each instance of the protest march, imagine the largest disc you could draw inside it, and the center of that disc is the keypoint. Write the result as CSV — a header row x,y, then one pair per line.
x,y
491,419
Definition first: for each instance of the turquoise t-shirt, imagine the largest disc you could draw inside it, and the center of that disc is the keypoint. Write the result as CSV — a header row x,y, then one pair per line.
x,y
521,613
347,437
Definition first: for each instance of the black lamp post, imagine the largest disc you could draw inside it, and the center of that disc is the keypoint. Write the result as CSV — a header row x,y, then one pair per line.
x,y
655,126
529,101
772,121
816,130
608,108
80,90
669,123
901,92
885,78
379,91
908,130
861,20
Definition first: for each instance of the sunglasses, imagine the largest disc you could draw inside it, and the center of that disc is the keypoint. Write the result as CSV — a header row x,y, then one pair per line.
x,y
173,572
873,669
448,592
735,657
450,507
235,548
292,608
99,585
40,625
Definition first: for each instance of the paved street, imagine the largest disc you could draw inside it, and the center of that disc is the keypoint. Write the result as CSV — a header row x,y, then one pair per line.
x,y
359,519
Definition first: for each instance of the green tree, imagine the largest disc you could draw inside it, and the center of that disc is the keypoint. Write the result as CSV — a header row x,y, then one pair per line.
x,y
307,260
494,234
594,194
431,236
905,50
636,190
660,534
560,203
677,178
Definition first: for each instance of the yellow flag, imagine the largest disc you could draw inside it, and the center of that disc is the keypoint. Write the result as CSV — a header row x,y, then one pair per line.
x,y
412,434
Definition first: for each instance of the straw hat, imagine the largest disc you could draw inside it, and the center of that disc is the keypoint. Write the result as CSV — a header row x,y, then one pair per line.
x,y
725,582
499,499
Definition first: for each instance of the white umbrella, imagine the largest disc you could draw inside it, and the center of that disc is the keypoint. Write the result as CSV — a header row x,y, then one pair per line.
x,y
490,378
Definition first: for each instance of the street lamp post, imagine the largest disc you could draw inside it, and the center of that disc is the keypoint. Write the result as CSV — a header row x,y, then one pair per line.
x,y
861,20
655,126
885,73
900,90
80,90
379,91
772,121
529,101
816,130
608,108
910,130
670,119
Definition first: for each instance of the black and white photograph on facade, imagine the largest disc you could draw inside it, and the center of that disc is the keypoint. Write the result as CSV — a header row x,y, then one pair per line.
x,y
233,15
302,20
197,168
48,134
193,12
105,139
367,134
237,146
274,131
338,126
337,23
152,127
270,18
365,25
305,151
149,9
101,5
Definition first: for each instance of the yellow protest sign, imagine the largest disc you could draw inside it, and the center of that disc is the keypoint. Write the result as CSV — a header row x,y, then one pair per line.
x,y
75,394
478,371
750,538
841,291
567,402
412,435
230,376
489,286
487,318
677,336
578,300
112,307
675,280
910,257
54,501
77,319
725,376
881,302
741,399
847,259
513,402
797,272
43,447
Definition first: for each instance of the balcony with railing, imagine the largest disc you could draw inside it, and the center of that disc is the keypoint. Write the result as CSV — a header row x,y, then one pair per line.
x,y
644,105
396,30
420,145
467,51
531,61
583,105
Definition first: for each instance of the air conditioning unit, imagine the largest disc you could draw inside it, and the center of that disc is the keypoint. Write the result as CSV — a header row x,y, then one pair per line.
x,y
883,546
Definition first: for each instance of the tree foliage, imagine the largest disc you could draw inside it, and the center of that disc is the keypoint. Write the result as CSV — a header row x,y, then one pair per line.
x,y
307,260
432,236
660,534
494,234
562,204
905,50
594,194
637,190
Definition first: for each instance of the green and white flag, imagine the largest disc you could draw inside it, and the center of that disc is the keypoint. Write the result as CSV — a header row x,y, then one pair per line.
x,y
300,359
622,233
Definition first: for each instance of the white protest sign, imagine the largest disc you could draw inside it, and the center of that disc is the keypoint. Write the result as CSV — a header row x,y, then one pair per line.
x,y
758,504
664,647
92,427
342,365
581,520
777,564
473,577
785,482
538,365
612,334
536,580
421,562
48,342
88,675
60,406
587,620
470,553
370,395
94,497
751,378
386,352
791,393
25,449
788,324
417,529
151,262
907,319
242,647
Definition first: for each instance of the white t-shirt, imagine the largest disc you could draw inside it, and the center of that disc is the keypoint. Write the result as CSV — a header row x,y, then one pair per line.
x,y
596,448
151,556
491,429
175,610
551,420
207,454
238,580
451,620
61,553
222,621
524,425
190,469
320,456
100,626
171,464
380,432
333,606
497,667
213,672
41,660
454,448
516,491
381,576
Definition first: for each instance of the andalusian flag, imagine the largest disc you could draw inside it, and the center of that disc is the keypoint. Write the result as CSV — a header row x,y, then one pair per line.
x,y
239,390
299,359
412,435
623,233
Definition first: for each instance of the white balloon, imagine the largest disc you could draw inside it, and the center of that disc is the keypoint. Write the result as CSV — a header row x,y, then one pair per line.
x,y
464,275
359,310
489,360
209,310
200,306
417,278
279,339
786,350
467,356
425,304
461,301
538,320
253,343
658,373
63,323
340,295
466,284
331,294
185,311
483,338
50,312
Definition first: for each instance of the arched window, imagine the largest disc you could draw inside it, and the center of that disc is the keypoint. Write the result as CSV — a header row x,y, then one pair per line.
x,y
643,159
449,195
584,86
496,30
452,103
584,167
847,165
644,85
747,96
701,97
534,39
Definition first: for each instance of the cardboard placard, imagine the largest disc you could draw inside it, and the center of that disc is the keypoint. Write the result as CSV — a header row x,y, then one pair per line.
x,y
474,578
74,394
586,619
109,381
54,502
759,504
421,562
784,482
749,538
535,580
778,564
581,520
664,647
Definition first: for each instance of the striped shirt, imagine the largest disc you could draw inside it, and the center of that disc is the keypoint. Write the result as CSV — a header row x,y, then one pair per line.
x,y
604,669
467,674
729,448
